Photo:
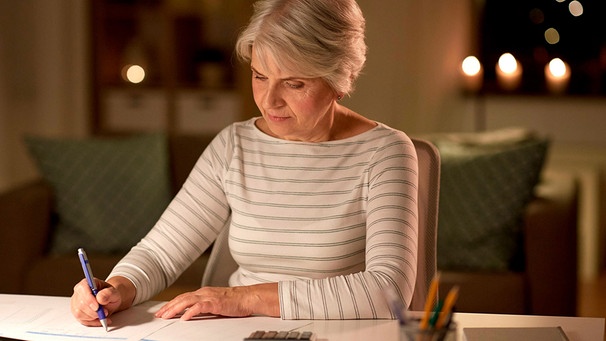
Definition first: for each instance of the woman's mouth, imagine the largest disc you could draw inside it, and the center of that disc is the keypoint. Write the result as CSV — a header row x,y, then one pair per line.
x,y
277,118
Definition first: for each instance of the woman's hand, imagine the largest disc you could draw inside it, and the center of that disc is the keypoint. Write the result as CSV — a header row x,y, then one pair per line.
x,y
115,295
234,301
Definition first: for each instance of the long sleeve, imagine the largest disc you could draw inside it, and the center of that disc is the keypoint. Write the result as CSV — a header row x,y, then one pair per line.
x,y
184,231
333,223
390,254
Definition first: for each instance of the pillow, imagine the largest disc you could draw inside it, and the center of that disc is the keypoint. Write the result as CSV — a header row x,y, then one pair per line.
x,y
108,191
484,189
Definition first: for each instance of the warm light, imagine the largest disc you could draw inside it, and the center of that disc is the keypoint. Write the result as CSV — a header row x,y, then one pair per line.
x,y
575,8
509,72
552,36
557,67
557,75
473,75
507,63
133,73
471,66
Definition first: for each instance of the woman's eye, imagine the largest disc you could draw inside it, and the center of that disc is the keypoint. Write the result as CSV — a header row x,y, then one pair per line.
x,y
258,76
294,85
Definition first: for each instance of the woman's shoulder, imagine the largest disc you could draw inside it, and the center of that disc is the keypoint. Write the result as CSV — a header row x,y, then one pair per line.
x,y
386,134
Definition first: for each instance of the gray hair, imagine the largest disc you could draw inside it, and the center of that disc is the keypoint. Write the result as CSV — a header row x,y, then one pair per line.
x,y
314,38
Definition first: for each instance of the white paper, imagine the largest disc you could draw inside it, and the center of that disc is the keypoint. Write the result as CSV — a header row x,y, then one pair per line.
x,y
49,318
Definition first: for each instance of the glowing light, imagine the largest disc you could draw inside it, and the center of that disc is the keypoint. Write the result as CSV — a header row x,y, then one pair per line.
x,y
472,73
509,72
575,8
552,36
557,76
471,66
508,63
133,73
557,67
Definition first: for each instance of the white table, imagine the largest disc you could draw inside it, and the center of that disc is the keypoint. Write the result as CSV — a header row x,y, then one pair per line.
x,y
48,318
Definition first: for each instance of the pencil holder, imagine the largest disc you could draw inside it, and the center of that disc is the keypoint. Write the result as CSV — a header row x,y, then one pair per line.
x,y
412,332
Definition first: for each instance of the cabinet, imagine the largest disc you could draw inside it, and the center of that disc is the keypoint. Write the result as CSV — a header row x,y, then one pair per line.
x,y
191,81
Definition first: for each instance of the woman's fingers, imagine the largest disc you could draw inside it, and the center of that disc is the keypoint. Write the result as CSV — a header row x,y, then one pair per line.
x,y
218,301
84,304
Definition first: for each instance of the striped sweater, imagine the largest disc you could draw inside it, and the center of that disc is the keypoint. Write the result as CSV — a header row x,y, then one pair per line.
x,y
332,222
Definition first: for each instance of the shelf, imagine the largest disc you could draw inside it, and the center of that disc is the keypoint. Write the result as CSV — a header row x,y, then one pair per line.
x,y
183,48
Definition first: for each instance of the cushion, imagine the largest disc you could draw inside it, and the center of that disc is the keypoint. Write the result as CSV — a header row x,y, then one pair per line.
x,y
108,191
485,186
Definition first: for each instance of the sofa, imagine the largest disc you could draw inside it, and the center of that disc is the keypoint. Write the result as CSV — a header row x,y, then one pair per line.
x,y
546,283
543,282
28,222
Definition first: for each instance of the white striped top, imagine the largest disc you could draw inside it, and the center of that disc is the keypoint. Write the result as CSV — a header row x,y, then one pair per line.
x,y
332,222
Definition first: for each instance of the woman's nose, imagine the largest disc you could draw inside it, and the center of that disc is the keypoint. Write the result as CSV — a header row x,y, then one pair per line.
x,y
273,96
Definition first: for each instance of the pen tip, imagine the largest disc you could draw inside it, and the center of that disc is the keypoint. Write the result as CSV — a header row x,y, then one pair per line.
x,y
104,324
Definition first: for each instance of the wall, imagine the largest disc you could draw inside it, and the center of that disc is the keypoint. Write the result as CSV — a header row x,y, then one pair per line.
x,y
411,77
43,78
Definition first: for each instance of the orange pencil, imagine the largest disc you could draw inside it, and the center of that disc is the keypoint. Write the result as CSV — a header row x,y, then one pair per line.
x,y
430,301
451,298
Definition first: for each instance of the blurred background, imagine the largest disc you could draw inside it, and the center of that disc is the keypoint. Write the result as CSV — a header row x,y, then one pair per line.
x,y
79,68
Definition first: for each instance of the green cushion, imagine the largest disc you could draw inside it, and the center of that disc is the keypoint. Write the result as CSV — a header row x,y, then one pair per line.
x,y
484,191
108,191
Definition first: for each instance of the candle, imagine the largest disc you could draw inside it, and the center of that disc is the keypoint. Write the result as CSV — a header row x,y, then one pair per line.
x,y
557,76
509,72
473,73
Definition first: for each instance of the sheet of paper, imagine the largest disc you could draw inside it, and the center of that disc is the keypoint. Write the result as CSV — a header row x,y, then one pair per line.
x,y
222,328
49,319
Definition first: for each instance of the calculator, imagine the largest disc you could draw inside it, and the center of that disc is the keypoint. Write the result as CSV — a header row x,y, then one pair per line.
x,y
261,335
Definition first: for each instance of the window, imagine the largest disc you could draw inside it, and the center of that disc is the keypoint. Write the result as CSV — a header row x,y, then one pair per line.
x,y
537,31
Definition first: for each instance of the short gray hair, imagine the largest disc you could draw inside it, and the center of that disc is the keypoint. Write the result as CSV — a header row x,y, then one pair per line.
x,y
315,38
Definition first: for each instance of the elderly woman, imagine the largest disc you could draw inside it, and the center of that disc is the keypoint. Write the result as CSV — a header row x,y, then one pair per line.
x,y
320,202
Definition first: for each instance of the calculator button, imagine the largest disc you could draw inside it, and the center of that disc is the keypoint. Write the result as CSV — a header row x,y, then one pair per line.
x,y
270,335
281,335
305,336
292,336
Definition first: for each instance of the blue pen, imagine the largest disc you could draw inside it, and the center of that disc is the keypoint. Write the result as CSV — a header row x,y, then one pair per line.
x,y
88,273
395,304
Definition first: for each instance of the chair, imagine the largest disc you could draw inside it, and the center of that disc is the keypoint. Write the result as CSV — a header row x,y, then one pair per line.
x,y
221,265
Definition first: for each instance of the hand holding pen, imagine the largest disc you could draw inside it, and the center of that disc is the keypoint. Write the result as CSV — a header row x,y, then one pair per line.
x,y
88,273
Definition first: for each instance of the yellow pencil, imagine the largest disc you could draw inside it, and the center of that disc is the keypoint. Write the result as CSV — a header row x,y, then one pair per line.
x,y
451,298
430,301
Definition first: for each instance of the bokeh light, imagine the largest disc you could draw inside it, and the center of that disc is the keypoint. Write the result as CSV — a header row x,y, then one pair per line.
x,y
557,67
471,66
575,8
552,36
133,73
507,63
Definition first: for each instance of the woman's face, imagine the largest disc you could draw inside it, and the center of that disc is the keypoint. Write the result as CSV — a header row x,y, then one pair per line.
x,y
293,107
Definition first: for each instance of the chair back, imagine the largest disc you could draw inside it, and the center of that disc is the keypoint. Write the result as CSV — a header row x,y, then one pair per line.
x,y
429,191
221,265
